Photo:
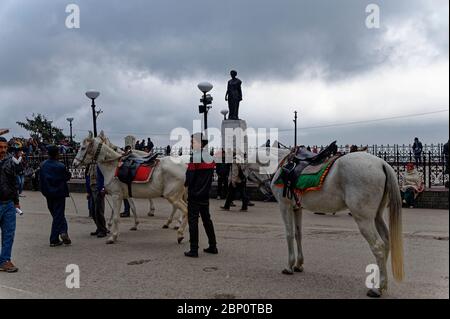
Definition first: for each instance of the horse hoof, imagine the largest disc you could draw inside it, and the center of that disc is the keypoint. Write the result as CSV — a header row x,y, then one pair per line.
x,y
133,228
176,227
180,239
374,293
165,227
109,242
287,272
298,269
150,214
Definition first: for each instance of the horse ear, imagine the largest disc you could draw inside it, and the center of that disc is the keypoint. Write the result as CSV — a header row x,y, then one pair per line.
x,y
91,135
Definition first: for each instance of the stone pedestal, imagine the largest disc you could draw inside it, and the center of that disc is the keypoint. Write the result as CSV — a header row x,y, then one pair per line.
x,y
234,136
130,141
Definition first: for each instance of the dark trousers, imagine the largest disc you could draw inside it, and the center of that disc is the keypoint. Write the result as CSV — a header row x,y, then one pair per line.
x,y
98,209
126,206
57,207
222,186
408,196
241,188
418,159
233,106
196,209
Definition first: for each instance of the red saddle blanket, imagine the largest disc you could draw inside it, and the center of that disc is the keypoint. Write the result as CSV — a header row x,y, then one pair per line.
x,y
143,173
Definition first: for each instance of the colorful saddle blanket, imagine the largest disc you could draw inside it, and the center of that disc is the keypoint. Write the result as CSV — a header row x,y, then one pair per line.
x,y
141,174
311,177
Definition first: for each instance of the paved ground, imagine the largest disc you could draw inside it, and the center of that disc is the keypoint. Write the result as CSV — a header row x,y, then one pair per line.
x,y
150,264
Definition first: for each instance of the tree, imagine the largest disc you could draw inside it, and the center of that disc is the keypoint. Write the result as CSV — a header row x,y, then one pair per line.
x,y
40,127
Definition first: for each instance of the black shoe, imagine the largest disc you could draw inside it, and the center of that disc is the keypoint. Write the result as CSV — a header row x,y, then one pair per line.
x,y
250,204
95,233
66,240
124,214
243,209
211,250
191,253
101,235
59,243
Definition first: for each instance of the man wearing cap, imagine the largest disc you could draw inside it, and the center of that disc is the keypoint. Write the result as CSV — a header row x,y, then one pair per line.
x,y
9,201
53,179
199,177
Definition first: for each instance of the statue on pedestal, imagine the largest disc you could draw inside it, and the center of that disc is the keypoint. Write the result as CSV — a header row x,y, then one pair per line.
x,y
234,96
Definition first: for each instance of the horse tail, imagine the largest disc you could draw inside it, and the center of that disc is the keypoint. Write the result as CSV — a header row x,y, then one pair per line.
x,y
395,222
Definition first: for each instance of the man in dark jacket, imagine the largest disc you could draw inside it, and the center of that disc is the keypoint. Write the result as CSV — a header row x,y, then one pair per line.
x,y
53,178
417,150
199,177
9,201
97,191
222,171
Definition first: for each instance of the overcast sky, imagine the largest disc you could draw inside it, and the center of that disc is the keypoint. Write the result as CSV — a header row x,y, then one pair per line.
x,y
146,57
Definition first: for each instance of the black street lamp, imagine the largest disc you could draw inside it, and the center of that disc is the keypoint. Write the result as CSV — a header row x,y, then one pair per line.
x,y
93,95
70,120
207,99
295,128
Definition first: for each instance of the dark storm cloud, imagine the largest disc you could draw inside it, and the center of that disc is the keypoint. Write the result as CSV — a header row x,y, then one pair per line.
x,y
146,56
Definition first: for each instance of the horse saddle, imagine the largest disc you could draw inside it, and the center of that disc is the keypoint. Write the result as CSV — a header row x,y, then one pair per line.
x,y
134,168
305,162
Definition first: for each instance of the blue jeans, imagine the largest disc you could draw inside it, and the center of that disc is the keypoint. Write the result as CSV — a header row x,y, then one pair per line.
x,y
126,206
57,207
20,182
8,228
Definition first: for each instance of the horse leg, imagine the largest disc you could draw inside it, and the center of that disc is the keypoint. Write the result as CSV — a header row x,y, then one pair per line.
x,y
298,237
384,234
369,231
288,218
133,210
169,221
151,211
115,227
181,205
110,222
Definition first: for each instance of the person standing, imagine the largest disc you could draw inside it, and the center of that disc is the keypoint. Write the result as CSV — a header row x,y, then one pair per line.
x,y
417,150
238,184
150,145
168,150
53,179
20,177
97,190
199,177
9,201
222,171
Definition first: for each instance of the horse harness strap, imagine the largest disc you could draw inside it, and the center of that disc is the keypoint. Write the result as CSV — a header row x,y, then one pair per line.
x,y
97,152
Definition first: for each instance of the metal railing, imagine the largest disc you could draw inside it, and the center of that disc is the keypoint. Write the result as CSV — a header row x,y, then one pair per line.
x,y
430,164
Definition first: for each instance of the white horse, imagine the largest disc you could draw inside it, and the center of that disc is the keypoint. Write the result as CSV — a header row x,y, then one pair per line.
x,y
151,211
365,185
167,180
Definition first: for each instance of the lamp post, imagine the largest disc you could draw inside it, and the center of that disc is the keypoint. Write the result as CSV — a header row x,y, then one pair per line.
x,y
207,99
70,120
295,128
224,113
93,95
